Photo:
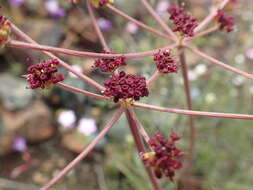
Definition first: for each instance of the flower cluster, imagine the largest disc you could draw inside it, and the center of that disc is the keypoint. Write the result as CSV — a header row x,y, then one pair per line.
x,y
126,86
42,75
226,22
109,64
100,3
184,23
165,158
5,30
165,62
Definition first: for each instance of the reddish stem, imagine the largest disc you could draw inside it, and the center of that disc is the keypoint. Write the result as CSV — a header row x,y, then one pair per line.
x,y
25,37
194,113
219,63
192,130
203,33
210,17
38,47
153,78
97,29
140,24
84,92
140,147
85,152
158,19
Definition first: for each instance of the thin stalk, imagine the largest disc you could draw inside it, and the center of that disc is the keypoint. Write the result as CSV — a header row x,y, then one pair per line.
x,y
140,147
84,92
85,152
140,24
194,113
158,19
219,63
95,24
18,44
139,126
153,78
87,79
192,130
203,33
210,17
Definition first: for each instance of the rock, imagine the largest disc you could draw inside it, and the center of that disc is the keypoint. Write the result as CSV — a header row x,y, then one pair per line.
x,y
6,144
13,92
33,123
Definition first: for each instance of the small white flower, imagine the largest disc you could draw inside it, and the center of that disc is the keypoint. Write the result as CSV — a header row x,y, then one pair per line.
x,y
87,126
67,118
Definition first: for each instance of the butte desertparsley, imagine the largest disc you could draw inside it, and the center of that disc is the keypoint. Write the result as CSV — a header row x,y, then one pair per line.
x,y
165,62
126,86
165,158
184,23
109,64
5,30
43,74
225,22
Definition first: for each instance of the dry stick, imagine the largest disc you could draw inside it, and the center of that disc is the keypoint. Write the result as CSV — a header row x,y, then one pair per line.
x,y
18,44
194,113
158,19
140,147
94,22
219,63
140,24
25,37
192,129
210,17
153,78
85,152
84,92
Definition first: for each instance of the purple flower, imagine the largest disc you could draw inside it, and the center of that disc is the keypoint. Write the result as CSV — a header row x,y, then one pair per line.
x,y
132,28
52,6
249,53
104,24
19,144
16,3
162,7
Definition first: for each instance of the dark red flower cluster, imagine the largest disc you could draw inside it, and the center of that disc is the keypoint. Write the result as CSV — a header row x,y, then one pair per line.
x,y
226,22
109,64
166,156
5,29
165,62
184,23
42,75
124,86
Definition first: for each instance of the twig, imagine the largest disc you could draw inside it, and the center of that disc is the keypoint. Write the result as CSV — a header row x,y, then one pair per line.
x,y
158,19
85,152
84,92
18,44
140,24
203,33
95,24
153,78
140,147
192,130
219,63
194,113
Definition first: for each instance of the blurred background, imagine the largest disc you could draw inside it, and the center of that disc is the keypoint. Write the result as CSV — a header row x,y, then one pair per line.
x,y
41,131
